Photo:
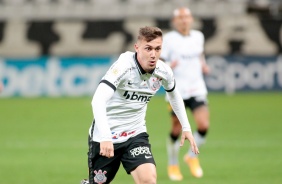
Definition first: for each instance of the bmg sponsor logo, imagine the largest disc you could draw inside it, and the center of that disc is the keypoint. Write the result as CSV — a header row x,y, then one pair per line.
x,y
137,97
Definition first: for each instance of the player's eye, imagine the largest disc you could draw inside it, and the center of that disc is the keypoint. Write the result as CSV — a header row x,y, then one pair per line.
x,y
148,48
158,49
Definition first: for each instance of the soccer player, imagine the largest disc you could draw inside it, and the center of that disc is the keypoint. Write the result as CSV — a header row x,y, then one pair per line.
x,y
118,132
1,86
183,50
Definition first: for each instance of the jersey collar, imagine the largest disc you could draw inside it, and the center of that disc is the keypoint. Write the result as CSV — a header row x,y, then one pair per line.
x,y
140,69
182,35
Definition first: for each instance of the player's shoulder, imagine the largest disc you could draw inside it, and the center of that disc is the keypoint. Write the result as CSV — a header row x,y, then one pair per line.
x,y
162,69
123,63
127,54
171,34
120,68
197,33
125,58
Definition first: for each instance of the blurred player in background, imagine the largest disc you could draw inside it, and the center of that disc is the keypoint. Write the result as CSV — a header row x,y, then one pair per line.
x,y
1,86
118,133
183,50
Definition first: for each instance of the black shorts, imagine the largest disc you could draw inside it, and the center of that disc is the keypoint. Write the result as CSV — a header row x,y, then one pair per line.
x,y
193,103
132,153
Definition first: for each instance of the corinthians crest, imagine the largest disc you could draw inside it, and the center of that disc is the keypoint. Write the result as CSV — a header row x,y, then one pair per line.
x,y
100,177
155,83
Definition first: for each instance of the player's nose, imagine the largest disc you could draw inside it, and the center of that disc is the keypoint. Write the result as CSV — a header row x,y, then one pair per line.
x,y
153,54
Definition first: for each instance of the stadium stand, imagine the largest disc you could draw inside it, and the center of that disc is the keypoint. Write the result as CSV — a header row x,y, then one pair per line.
x,y
15,43
88,27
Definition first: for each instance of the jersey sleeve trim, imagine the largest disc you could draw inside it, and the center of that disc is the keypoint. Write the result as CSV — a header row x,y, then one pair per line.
x,y
170,90
109,84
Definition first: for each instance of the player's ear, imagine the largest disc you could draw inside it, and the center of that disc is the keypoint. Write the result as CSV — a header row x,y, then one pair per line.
x,y
192,19
136,47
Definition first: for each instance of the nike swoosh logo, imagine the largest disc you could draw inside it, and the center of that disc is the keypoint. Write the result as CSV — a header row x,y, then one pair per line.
x,y
147,157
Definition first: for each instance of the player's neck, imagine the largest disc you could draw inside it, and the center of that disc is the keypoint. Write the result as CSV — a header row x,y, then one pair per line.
x,y
184,32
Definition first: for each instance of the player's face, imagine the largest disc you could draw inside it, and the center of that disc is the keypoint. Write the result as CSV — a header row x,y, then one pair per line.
x,y
148,53
182,21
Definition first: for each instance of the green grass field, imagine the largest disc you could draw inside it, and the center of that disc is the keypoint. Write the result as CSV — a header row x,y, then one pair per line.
x,y
44,140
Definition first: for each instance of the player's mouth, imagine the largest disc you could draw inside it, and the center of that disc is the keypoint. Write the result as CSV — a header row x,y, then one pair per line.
x,y
152,63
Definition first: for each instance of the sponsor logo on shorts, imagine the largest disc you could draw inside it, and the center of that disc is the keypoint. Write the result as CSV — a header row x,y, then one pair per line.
x,y
147,157
141,150
100,177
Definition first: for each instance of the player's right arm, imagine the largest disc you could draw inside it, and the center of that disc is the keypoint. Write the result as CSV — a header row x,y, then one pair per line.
x,y
105,91
102,95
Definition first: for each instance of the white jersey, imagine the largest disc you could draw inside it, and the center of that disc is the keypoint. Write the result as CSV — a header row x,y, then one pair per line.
x,y
187,50
133,88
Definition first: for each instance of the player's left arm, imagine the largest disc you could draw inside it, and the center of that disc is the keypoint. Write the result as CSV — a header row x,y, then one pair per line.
x,y
205,67
1,86
178,107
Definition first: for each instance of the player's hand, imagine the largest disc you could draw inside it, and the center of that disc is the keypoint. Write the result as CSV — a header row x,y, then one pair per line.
x,y
206,69
173,64
107,149
188,135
